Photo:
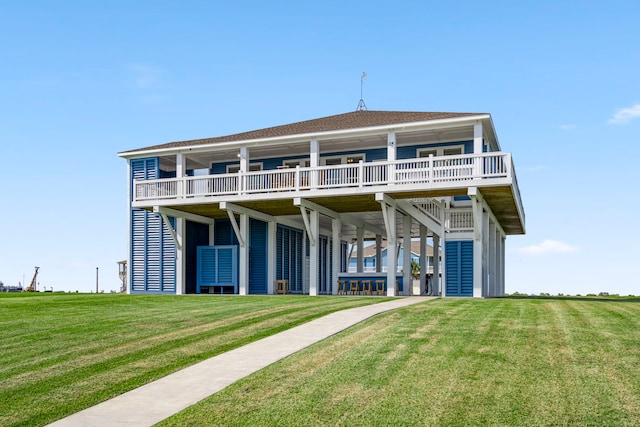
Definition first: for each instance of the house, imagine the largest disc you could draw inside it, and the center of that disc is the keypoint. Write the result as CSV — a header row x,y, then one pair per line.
x,y
236,213
370,256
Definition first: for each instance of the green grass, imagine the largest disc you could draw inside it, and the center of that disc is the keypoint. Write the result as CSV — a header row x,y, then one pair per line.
x,y
60,353
511,362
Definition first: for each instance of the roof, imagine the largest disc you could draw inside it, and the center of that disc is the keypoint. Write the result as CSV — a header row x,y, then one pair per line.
x,y
352,120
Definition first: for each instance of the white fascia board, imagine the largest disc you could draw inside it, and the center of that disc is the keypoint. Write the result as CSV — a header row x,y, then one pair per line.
x,y
489,128
301,138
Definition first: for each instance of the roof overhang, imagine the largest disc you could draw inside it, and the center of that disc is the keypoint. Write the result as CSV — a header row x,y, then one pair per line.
x,y
486,120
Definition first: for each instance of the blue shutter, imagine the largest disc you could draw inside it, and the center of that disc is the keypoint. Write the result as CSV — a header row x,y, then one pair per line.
x,y
459,268
224,234
289,257
257,257
153,253
217,266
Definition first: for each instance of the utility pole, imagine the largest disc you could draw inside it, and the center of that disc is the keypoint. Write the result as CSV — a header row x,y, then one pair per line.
x,y
96,280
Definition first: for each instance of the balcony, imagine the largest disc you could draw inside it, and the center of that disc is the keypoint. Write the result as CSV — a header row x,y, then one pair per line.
x,y
431,176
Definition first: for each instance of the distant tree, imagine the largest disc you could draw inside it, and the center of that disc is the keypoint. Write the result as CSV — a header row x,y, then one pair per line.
x,y
415,269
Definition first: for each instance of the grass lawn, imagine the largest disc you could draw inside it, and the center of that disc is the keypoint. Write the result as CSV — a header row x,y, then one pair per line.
x,y
510,361
60,353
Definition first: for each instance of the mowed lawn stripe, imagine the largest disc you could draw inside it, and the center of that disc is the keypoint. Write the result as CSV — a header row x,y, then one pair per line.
x,y
78,352
504,362
72,362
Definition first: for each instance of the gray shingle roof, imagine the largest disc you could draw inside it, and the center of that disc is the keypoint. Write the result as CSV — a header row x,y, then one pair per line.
x,y
352,120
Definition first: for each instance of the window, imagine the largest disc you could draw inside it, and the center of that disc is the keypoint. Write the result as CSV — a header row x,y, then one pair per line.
x,y
303,163
342,160
253,167
451,150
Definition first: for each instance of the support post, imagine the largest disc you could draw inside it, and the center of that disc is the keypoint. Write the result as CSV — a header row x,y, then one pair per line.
x,y
435,280
392,261
314,253
424,260
243,279
181,260
379,253
360,247
272,228
336,227
407,278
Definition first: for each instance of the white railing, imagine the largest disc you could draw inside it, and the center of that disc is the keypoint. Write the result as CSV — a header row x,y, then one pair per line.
x,y
458,220
431,206
423,171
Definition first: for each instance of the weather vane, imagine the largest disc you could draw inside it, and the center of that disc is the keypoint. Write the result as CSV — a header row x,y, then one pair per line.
x,y
361,104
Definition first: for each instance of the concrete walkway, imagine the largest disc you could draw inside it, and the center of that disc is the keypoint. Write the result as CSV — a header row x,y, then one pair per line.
x,y
152,403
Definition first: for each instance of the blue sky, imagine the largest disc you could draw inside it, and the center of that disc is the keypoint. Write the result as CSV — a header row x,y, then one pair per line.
x,y
82,81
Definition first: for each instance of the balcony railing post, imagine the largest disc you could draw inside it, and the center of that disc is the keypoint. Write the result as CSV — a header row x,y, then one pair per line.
x,y
430,171
360,173
391,173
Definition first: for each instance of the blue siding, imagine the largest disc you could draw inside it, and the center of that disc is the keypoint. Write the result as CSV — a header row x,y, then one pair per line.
x,y
459,268
153,252
403,152
289,257
257,257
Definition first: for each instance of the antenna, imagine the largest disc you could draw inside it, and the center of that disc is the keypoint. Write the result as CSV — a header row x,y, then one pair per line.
x,y
361,104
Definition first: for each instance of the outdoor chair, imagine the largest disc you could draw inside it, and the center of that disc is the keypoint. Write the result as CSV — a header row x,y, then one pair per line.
x,y
366,287
354,287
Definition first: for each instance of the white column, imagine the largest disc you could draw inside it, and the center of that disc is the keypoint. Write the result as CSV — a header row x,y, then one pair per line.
x,y
180,258
314,160
243,279
244,159
360,248
391,156
485,254
501,242
272,228
379,253
477,138
407,279
392,260
477,147
435,280
493,258
314,246
336,226
424,259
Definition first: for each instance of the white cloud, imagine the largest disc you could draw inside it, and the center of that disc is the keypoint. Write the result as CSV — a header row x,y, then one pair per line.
x,y
625,115
567,127
548,246
145,76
